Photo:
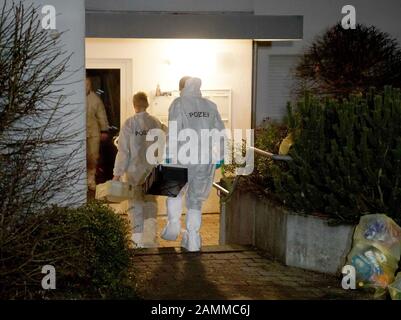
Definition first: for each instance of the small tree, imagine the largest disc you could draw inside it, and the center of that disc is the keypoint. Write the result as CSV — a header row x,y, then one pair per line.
x,y
343,62
346,157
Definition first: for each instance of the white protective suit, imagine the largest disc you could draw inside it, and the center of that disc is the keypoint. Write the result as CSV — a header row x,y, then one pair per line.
x,y
96,121
131,160
197,113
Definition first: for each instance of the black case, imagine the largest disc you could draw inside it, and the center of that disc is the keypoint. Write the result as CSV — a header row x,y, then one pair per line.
x,y
165,180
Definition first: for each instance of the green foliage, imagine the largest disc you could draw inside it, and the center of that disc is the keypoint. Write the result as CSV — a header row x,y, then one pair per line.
x,y
105,246
346,157
268,137
342,62
88,246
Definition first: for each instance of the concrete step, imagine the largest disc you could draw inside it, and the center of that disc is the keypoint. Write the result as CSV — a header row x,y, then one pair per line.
x,y
205,249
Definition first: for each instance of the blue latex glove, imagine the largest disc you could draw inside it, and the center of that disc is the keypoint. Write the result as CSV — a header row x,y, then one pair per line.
x,y
219,164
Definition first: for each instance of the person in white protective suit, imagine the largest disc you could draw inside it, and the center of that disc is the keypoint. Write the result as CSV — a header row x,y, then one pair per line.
x,y
131,160
97,128
191,111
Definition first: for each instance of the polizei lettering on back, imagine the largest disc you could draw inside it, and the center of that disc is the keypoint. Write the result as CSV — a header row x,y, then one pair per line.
x,y
199,114
141,132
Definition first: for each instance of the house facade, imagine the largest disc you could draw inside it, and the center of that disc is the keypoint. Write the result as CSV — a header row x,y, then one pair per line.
x,y
277,32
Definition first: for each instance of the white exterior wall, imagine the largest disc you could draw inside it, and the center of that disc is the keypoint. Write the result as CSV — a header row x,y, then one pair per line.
x,y
70,17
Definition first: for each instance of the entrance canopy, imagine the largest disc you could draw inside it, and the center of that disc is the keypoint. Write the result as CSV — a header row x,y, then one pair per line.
x,y
107,24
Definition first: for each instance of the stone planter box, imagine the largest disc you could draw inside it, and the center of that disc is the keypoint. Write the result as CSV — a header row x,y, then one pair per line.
x,y
306,242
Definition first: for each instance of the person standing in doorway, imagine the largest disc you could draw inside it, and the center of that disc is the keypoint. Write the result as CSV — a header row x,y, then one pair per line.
x,y
131,160
96,129
193,112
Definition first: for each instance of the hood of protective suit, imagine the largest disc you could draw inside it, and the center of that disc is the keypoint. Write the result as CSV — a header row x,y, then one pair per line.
x,y
192,88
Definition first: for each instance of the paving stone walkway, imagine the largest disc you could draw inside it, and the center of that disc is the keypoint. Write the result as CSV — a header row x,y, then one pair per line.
x,y
229,272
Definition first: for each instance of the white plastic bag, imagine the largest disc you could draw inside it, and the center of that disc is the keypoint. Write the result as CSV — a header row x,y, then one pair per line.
x,y
114,191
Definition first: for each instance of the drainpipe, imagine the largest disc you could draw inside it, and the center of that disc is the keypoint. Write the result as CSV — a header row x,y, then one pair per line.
x,y
254,82
256,44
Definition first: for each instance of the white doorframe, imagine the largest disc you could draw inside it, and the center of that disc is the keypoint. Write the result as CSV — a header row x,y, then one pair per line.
x,y
125,67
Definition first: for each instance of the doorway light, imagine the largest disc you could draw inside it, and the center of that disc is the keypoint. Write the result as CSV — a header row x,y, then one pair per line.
x,y
195,57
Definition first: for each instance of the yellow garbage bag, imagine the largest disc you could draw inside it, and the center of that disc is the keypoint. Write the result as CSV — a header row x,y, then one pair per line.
x,y
395,288
376,252
285,145
381,232
374,268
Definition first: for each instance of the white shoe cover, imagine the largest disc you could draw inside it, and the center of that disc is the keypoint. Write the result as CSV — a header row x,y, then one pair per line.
x,y
171,231
173,227
191,241
137,240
